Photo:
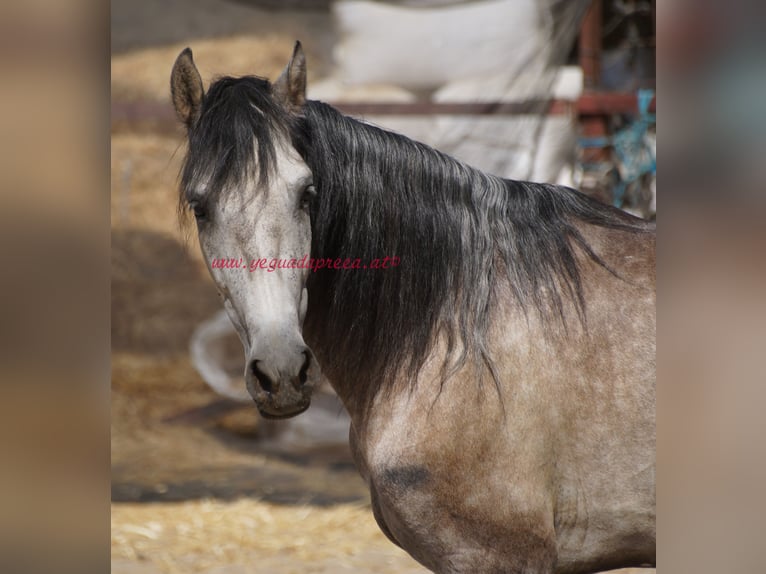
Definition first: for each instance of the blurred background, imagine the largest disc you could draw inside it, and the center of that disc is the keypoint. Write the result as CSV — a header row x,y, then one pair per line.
x,y
544,90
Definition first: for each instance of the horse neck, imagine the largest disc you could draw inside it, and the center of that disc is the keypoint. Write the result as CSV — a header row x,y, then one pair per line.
x,y
458,232
380,195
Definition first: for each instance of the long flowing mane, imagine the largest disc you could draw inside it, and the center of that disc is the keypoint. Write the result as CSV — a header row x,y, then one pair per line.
x,y
457,231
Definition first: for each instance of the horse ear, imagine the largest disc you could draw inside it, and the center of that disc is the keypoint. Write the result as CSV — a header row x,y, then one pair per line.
x,y
290,87
186,88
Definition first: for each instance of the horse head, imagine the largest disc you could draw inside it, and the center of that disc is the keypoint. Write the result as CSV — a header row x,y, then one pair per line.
x,y
249,190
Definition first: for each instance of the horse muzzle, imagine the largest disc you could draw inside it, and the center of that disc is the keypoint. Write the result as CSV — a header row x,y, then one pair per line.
x,y
281,383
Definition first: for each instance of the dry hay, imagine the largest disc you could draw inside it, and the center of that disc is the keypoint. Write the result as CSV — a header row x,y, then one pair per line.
x,y
198,536
145,74
144,182
248,535
145,450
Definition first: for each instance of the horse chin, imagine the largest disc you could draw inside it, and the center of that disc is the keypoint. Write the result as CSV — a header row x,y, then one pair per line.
x,y
283,413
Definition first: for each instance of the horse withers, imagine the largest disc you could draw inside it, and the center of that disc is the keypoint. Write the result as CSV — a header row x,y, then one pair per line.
x,y
500,380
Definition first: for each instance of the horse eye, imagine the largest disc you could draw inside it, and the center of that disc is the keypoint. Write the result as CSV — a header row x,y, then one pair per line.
x,y
200,213
309,193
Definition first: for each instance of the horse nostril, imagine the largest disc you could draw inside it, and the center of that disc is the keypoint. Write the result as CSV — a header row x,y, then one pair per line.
x,y
303,374
263,378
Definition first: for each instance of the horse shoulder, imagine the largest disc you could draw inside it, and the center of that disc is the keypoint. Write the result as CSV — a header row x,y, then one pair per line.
x,y
447,489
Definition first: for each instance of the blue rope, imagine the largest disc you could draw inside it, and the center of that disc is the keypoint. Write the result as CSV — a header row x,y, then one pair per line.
x,y
635,156
602,141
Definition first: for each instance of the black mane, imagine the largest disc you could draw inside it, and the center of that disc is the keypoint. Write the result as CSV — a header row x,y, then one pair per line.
x,y
457,231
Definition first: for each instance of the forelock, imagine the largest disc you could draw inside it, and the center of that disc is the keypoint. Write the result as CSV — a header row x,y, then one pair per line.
x,y
235,138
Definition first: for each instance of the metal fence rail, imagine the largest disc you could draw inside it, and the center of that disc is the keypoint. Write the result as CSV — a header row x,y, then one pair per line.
x,y
160,115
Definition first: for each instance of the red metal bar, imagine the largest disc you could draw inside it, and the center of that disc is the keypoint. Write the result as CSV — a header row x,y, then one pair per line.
x,y
608,103
552,107
590,45
142,110
161,114
593,122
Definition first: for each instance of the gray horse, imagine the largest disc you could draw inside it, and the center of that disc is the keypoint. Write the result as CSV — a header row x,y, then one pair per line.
x,y
500,378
